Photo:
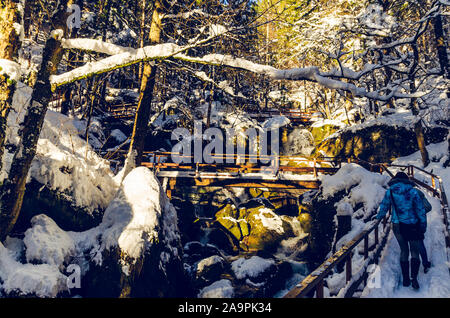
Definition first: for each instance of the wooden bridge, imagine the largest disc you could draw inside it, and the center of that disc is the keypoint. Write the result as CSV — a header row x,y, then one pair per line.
x,y
300,175
127,111
294,115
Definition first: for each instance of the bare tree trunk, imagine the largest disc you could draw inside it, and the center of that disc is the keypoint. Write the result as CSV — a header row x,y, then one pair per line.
x,y
418,128
13,189
9,45
140,128
441,47
67,95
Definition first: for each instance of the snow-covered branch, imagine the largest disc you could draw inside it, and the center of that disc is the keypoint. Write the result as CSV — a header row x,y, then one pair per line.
x,y
129,56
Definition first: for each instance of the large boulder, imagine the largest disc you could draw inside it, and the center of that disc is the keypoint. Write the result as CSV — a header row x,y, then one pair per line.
x,y
267,229
379,142
255,227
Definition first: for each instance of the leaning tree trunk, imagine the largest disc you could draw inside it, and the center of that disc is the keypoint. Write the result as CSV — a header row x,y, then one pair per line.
x,y
9,45
13,189
441,47
136,150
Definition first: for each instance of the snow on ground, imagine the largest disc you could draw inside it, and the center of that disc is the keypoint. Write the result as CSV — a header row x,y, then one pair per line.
x,y
64,161
251,267
42,280
219,289
436,283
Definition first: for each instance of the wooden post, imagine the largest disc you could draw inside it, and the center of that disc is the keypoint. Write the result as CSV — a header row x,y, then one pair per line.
x,y
366,246
319,289
348,268
315,169
376,235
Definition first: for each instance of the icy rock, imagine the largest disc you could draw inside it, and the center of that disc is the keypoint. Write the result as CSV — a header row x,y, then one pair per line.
x,y
220,289
209,269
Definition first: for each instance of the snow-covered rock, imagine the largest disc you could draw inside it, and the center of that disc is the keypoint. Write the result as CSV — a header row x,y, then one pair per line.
x,y
64,162
137,245
251,268
209,269
220,289
46,243
29,280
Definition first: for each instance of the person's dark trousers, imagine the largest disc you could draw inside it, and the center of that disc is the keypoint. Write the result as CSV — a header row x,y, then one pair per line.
x,y
407,247
423,254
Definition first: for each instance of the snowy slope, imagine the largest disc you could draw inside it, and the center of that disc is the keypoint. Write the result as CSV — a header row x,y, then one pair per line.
x,y
64,161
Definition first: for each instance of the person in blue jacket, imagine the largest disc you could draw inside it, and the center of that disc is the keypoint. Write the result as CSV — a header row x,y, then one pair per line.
x,y
409,223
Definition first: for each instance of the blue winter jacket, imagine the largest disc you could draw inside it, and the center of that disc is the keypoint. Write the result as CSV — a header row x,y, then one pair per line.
x,y
407,200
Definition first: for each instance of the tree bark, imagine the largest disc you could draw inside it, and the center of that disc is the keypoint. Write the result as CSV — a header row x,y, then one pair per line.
x,y
418,128
441,47
9,46
135,152
13,189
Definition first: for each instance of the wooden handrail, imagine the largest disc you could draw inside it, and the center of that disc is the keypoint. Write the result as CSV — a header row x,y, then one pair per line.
x,y
315,280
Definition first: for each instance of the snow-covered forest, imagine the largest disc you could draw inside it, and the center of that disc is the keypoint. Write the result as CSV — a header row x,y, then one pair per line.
x,y
219,149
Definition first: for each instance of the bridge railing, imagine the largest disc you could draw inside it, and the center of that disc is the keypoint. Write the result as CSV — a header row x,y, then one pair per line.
x,y
243,163
313,284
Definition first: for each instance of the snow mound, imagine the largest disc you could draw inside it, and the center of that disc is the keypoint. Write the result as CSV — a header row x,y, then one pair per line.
x,y
27,279
46,243
11,69
251,267
133,220
219,289
65,162
276,122
368,187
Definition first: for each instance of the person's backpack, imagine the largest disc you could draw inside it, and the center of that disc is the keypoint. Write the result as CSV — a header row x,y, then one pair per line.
x,y
426,205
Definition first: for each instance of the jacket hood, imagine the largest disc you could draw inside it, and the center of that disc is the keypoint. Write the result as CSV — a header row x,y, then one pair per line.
x,y
402,181
401,186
